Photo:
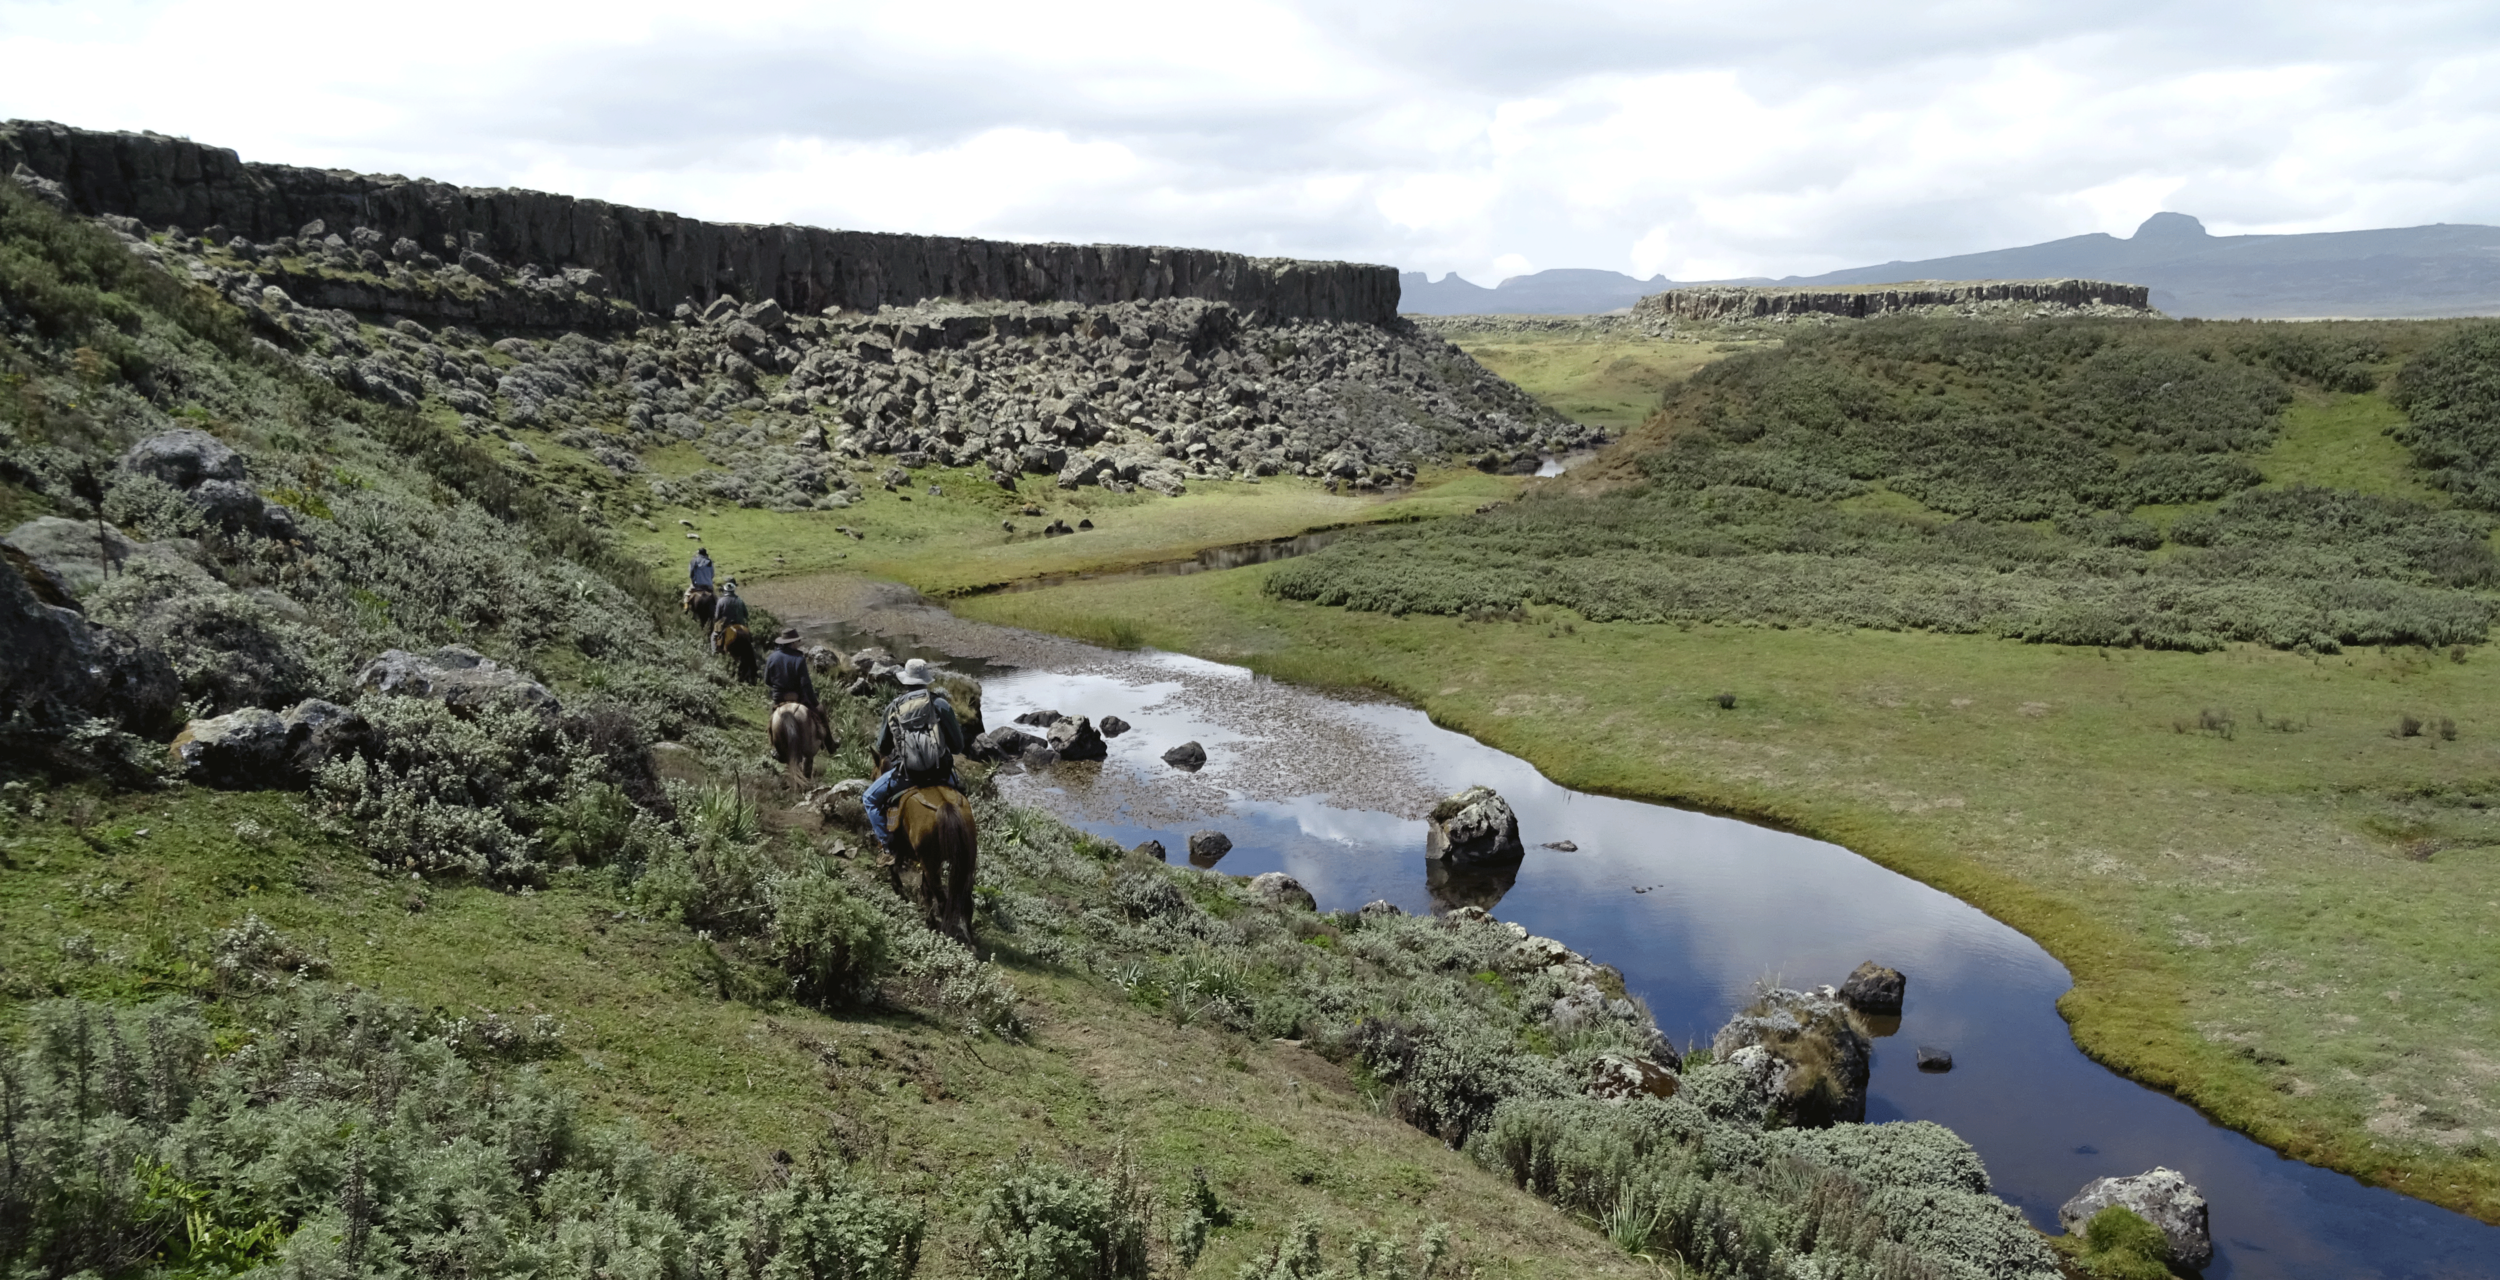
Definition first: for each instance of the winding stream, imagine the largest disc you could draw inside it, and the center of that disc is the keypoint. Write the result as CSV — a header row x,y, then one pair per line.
x,y
1693,909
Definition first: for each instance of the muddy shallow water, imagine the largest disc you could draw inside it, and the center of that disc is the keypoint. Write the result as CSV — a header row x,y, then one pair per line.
x,y
1693,909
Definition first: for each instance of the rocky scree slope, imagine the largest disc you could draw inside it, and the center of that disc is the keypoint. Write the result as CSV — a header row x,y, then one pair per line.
x,y
1133,394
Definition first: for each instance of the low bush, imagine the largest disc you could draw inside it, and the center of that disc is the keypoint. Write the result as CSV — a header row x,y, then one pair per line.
x,y
2451,398
1044,1221
834,946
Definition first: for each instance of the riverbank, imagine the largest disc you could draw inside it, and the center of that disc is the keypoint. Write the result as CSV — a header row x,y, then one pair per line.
x,y
2274,903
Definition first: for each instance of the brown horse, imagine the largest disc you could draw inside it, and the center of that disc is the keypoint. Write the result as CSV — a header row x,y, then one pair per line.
x,y
934,832
698,604
798,734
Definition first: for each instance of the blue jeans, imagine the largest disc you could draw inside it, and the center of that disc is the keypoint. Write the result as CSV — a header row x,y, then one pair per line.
x,y
888,788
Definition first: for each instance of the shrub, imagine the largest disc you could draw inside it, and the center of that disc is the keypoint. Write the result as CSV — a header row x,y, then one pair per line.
x,y
2118,1244
820,1226
2451,397
1047,1222
834,947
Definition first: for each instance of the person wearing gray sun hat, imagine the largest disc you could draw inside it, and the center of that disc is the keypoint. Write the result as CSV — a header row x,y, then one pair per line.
x,y
918,739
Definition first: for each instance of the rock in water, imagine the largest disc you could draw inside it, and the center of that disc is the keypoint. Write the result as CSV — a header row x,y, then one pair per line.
x,y
1006,742
1474,826
1206,848
1114,726
1930,1059
1188,755
2163,1197
1074,738
1040,719
1283,890
1872,988
1828,1059
1152,849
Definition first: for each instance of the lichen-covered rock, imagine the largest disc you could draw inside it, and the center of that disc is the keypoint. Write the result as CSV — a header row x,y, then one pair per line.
x,y
1006,742
1475,826
1828,1059
1282,890
1872,988
80,557
184,458
1616,1077
841,802
58,669
1075,738
240,751
1380,909
456,677
2161,1196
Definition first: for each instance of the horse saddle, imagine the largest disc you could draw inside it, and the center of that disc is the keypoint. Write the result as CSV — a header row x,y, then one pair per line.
x,y
935,798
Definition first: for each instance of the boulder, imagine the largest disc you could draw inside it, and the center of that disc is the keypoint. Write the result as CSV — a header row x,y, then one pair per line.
x,y
318,732
1075,739
1618,1077
456,677
1828,1057
1152,849
57,669
1474,827
1114,726
1188,755
1279,889
240,751
231,505
840,802
184,458
77,559
869,659
1380,909
1040,719
1006,742
2163,1197
822,659
1933,1059
1206,848
1872,988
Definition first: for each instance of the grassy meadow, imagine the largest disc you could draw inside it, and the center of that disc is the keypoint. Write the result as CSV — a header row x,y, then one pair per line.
x,y
1604,379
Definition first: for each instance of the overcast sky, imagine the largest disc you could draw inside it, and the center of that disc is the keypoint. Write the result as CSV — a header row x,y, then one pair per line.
x,y
1651,136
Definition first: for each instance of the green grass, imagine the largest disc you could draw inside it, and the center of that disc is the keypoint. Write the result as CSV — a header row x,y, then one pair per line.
x,y
116,897
952,543
1603,380
2343,441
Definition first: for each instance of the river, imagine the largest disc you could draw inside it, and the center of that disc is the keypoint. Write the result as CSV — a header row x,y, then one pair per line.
x,y
1693,909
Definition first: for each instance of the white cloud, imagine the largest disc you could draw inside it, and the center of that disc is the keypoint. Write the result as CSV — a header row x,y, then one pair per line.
x,y
1677,136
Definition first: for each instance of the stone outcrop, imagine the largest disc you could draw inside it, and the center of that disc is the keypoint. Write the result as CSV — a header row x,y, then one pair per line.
x,y
1617,1077
457,677
2163,1197
1826,1060
653,260
1724,303
1474,827
1872,988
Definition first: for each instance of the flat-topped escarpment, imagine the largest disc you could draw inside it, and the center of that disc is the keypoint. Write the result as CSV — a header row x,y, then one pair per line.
x,y
1754,302
656,260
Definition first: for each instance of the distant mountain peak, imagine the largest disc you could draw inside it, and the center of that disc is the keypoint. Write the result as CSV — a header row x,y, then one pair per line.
x,y
2171,226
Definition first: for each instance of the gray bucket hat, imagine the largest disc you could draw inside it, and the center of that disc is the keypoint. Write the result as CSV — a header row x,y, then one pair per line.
x,y
917,671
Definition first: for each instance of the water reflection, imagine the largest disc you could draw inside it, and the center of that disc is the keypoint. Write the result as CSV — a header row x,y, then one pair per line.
x,y
1473,885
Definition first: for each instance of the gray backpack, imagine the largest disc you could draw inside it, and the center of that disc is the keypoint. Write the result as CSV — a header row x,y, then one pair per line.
x,y
920,752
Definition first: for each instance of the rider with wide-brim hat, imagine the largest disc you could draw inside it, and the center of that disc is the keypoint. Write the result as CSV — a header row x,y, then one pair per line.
x,y
918,739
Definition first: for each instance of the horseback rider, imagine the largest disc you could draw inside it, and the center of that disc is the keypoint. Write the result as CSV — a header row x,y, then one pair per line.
x,y
729,631
918,739
699,573
786,679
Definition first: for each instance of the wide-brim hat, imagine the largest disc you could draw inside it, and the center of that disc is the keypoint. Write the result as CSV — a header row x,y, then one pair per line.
x,y
917,671
788,639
